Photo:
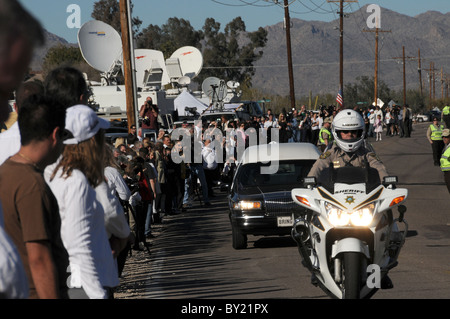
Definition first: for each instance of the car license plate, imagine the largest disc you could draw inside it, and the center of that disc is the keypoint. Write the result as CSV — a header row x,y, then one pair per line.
x,y
285,221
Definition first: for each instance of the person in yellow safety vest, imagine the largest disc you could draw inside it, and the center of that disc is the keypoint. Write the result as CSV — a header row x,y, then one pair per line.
x,y
325,136
434,135
445,158
446,116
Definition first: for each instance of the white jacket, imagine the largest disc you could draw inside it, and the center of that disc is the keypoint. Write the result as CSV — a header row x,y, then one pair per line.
x,y
209,158
83,233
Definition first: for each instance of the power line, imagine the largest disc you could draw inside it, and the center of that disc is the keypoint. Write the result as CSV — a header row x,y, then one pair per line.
x,y
255,5
315,10
244,4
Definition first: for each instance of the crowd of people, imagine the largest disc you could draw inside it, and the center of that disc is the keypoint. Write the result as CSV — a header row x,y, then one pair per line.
x,y
62,228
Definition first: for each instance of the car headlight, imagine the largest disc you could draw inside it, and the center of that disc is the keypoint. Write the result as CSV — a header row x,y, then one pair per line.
x,y
340,218
247,205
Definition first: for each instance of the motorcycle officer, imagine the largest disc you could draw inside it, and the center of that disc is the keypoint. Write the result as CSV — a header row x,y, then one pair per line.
x,y
349,149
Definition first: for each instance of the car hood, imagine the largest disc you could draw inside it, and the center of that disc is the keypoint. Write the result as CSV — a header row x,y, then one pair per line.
x,y
264,189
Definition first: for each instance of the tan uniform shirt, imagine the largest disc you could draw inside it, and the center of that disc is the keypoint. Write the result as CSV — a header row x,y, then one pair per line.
x,y
339,158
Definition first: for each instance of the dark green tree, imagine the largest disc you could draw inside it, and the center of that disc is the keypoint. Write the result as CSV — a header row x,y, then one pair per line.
x,y
363,91
173,35
62,55
230,55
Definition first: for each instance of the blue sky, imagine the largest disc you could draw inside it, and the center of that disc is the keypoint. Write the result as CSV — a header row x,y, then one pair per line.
x,y
255,13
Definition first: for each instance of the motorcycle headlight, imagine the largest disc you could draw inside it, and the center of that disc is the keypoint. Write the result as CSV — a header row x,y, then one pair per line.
x,y
340,218
247,205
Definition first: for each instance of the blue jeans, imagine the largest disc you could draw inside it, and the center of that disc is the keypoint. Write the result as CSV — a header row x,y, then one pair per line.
x,y
196,171
148,219
371,132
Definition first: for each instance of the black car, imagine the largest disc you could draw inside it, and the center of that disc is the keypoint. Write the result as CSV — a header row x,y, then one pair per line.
x,y
261,204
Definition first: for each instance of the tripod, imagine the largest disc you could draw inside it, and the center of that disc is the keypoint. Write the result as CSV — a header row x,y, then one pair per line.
x,y
139,225
195,188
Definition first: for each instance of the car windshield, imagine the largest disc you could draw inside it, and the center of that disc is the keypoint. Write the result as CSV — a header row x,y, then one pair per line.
x,y
289,173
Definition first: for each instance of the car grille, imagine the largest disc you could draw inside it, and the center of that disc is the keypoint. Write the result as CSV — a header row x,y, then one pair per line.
x,y
278,204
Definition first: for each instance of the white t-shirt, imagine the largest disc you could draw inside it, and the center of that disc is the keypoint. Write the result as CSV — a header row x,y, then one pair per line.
x,y
319,122
209,158
9,142
117,183
83,233
115,221
372,117
273,123
13,279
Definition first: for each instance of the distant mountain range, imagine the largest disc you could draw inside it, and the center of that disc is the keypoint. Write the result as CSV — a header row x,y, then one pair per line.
x,y
315,52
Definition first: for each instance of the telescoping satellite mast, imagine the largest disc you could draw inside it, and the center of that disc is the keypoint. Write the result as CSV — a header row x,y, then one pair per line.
x,y
101,47
216,90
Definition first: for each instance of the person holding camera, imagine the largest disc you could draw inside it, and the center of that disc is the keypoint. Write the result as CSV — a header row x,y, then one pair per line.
x,y
149,114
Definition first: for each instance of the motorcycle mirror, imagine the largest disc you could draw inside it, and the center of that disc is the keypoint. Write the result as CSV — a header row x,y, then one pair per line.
x,y
402,211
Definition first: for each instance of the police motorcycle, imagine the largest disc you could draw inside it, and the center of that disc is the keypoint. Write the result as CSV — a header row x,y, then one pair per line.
x,y
349,239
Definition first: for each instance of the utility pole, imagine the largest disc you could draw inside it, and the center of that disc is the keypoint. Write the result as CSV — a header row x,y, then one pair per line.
x,y
404,73
128,62
446,85
377,32
404,78
341,42
434,82
420,75
431,80
287,20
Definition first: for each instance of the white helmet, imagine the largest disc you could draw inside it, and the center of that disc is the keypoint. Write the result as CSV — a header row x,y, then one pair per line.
x,y
348,120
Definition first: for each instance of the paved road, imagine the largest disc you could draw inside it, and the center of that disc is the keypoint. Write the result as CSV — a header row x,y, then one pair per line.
x,y
192,257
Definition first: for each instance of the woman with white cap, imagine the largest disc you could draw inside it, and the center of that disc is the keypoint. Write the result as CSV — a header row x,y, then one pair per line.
x,y
73,180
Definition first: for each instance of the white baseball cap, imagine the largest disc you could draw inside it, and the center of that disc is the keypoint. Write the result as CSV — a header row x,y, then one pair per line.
x,y
83,123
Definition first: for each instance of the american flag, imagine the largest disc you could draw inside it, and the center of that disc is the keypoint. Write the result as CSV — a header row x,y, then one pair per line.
x,y
339,98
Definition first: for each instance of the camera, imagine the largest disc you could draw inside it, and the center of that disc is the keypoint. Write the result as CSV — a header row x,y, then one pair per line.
x,y
133,184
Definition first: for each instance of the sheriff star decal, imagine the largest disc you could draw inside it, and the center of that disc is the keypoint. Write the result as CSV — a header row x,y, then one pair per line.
x,y
350,200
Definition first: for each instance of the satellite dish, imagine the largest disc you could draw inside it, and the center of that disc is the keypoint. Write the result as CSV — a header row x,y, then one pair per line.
x,y
100,45
233,84
190,60
214,88
184,81
150,68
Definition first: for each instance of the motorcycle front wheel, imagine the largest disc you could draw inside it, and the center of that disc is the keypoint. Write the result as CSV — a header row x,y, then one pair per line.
x,y
352,275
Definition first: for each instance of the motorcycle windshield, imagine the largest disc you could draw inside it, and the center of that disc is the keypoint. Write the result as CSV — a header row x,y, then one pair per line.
x,y
353,175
